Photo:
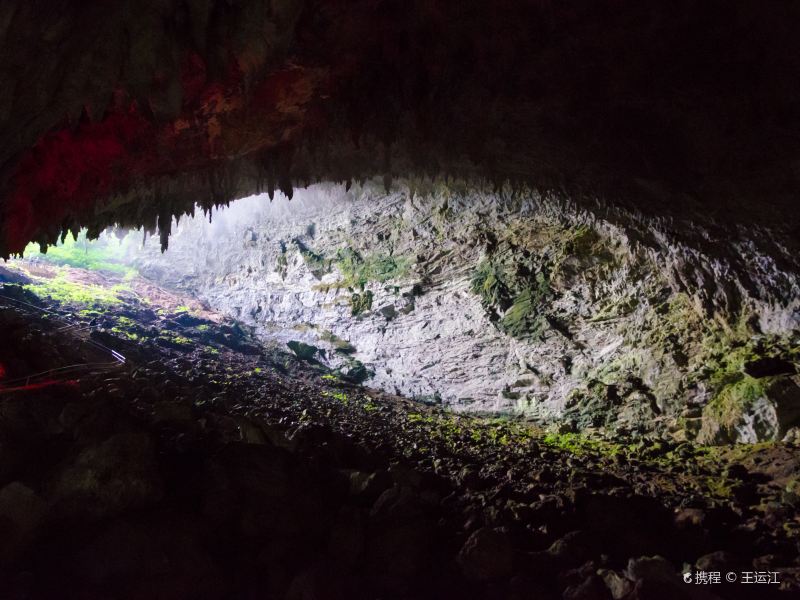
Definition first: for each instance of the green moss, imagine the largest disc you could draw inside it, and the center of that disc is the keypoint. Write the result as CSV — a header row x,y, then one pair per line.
x,y
516,301
736,399
525,318
719,487
175,339
360,303
339,396
358,270
133,337
487,283
282,262
316,263
127,328
61,289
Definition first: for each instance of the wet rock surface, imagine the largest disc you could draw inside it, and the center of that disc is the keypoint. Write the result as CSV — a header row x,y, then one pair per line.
x,y
207,466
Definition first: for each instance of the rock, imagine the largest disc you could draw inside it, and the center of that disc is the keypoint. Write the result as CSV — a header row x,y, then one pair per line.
x,y
389,312
320,582
251,432
171,412
496,301
752,412
347,537
630,525
648,589
617,585
651,568
526,587
22,514
369,485
591,588
398,502
792,436
791,493
688,518
120,551
302,350
768,366
469,477
400,549
573,548
108,478
714,561
487,554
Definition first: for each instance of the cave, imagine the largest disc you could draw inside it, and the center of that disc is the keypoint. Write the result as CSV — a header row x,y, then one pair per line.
x,y
322,300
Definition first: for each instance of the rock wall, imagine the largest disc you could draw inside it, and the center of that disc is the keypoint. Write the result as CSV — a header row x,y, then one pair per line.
x,y
494,301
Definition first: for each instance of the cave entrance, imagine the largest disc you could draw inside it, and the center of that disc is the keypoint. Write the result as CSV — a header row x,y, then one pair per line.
x,y
481,301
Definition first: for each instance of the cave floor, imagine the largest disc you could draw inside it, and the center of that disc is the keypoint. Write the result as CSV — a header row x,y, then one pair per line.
x,y
207,466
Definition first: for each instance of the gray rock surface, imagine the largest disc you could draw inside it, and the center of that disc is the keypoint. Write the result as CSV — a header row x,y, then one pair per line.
x,y
517,303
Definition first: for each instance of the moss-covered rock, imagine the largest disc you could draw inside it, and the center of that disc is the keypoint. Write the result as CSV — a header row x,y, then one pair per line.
x,y
303,351
358,270
355,372
513,295
316,263
750,410
360,302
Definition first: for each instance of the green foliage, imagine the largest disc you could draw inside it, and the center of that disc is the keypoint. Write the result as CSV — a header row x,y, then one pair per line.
x,y
360,303
175,340
356,270
516,301
486,283
576,443
127,328
719,487
105,255
359,270
524,318
339,396
735,399
316,263
61,289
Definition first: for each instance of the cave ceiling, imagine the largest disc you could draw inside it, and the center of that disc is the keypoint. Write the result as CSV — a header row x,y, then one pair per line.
x,y
135,111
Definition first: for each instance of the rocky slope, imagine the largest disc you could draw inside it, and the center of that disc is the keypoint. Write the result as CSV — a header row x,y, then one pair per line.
x,y
513,302
208,467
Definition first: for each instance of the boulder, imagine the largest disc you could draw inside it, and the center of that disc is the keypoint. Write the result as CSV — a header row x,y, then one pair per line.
x,y
487,554
108,478
22,514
